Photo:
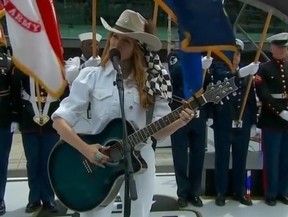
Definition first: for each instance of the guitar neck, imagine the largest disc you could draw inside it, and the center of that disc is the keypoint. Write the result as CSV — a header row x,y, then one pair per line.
x,y
213,93
143,134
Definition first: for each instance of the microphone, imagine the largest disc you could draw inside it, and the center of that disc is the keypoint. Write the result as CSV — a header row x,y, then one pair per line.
x,y
115,57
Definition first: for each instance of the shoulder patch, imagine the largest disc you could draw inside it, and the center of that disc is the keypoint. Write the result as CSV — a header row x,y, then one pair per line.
x,y
173,60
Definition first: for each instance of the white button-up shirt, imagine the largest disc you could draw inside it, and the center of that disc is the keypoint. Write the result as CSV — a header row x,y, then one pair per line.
x,y
97,86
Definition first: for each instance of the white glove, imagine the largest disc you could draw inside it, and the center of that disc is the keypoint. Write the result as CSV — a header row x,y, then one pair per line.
x,y
206,62
14,127
284,115
250,69
92,62
72,68
253,131
209,122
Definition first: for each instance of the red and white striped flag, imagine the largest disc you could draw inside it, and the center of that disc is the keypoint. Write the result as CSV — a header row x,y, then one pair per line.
x,y
36,44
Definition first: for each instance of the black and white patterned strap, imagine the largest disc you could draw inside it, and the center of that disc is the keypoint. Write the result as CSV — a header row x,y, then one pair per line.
x,y
158,80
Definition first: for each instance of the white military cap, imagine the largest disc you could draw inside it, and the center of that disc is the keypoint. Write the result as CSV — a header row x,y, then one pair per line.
x,y
88,36
240,43
280,39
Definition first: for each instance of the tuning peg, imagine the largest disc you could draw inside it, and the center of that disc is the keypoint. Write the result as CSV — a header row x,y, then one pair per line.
x,y
227,97
210,85
221,102
218,82
226,79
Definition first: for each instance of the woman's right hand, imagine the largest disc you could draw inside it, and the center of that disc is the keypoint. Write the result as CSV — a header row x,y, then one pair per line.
x,y
94,153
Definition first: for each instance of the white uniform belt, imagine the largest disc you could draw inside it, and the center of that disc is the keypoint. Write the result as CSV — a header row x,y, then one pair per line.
x,y
4,92
43,99
279,95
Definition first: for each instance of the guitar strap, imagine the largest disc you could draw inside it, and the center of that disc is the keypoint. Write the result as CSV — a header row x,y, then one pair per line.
x,y
149,116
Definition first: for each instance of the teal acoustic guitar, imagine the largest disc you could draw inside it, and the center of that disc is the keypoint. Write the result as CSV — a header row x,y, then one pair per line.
x,y
82,186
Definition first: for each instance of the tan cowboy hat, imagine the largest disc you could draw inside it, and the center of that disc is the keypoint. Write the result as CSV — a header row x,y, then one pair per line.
x,y
132,24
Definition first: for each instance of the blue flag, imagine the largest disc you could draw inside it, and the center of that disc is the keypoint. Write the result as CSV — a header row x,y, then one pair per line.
x,y
203,27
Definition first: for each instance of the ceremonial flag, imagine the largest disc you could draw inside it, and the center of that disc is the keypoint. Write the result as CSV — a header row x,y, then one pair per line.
x,y
203,27
35,41
2,34
168,7
2,10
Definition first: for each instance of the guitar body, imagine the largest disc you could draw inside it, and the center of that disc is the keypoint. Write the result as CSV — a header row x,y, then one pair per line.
x,y
82,186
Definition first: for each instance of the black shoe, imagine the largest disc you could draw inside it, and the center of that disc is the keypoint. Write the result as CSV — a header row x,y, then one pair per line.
x,y
283,199
50,206
182,202
242,199
220,200
32,207
271,201
196,201
2,208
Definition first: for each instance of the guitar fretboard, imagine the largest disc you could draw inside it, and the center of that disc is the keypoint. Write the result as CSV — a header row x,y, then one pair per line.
x,y
141,135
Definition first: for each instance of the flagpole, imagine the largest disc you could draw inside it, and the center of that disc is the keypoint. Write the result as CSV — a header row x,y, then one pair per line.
x,y
169,35
155,13
94,9
263,38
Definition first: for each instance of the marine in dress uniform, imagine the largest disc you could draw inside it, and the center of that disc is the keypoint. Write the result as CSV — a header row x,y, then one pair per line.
x,y
33,107
228,133
73,67
6,126
272,89
188,143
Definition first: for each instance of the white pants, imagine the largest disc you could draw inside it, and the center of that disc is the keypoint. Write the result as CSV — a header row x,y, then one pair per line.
x,y
145,185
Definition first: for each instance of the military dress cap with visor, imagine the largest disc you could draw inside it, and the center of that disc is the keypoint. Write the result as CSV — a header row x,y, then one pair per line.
x,y
133,25
89,36
280,39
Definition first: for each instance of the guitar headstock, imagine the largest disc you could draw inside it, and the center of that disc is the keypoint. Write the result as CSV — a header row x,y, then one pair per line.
x,y
216,92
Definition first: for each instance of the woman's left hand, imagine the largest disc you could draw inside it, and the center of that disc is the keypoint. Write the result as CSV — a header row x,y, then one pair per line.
x,y
186,116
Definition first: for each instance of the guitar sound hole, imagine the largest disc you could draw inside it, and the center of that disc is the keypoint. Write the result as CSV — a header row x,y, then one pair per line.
x,y
115,151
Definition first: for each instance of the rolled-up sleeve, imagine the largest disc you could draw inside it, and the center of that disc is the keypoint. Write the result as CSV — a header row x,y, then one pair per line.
x,y
77,102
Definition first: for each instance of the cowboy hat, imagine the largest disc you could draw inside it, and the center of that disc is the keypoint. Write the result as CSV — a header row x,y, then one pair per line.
x,y
132,24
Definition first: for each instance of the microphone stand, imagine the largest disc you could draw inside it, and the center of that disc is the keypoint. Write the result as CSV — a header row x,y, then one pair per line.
x,y
130,186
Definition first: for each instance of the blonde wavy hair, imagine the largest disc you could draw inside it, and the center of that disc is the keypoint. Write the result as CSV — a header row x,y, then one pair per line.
x,y
139,73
